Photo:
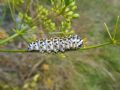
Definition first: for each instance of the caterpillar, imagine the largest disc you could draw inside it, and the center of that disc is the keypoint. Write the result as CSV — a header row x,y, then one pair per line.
x,y
56,44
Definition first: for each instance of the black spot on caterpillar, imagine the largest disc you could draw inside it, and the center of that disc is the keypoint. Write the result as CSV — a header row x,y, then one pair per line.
x,y
56,44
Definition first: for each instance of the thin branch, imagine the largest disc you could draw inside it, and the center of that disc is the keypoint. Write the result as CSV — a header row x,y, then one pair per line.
x,y
96,46
11,6
14,51
8,39
84,48
11,37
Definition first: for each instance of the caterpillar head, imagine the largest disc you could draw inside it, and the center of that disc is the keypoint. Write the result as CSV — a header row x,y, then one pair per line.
x,y
30,47
33,46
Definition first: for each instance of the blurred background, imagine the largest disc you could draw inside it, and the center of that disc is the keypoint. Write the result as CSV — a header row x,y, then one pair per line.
x,y
93,69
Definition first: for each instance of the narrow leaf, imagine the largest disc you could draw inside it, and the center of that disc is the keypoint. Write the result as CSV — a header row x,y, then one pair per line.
x,y
116,27
108,31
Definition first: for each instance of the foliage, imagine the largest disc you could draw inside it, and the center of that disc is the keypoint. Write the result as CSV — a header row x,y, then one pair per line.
x,y
43,20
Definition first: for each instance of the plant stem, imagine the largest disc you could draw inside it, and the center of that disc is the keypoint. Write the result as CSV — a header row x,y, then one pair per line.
x,y
13,51
11,9
8,39
95,46
11,37
90,47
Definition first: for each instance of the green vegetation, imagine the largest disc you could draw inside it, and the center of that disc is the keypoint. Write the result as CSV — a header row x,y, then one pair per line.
x,y
84,69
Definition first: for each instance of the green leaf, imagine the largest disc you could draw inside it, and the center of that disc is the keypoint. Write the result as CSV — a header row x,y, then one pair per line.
x,y
116,27
108,31
67,2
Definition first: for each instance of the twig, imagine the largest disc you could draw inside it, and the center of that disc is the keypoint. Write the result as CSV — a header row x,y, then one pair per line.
x,y
84,48
11,37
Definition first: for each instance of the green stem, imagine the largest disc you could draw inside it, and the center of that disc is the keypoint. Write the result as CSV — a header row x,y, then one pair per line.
x,y
90,47
95,46
11,8
14,51
11,37
8,39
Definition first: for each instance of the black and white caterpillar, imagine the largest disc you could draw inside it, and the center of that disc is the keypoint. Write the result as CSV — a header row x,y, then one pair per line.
x,y
56,44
